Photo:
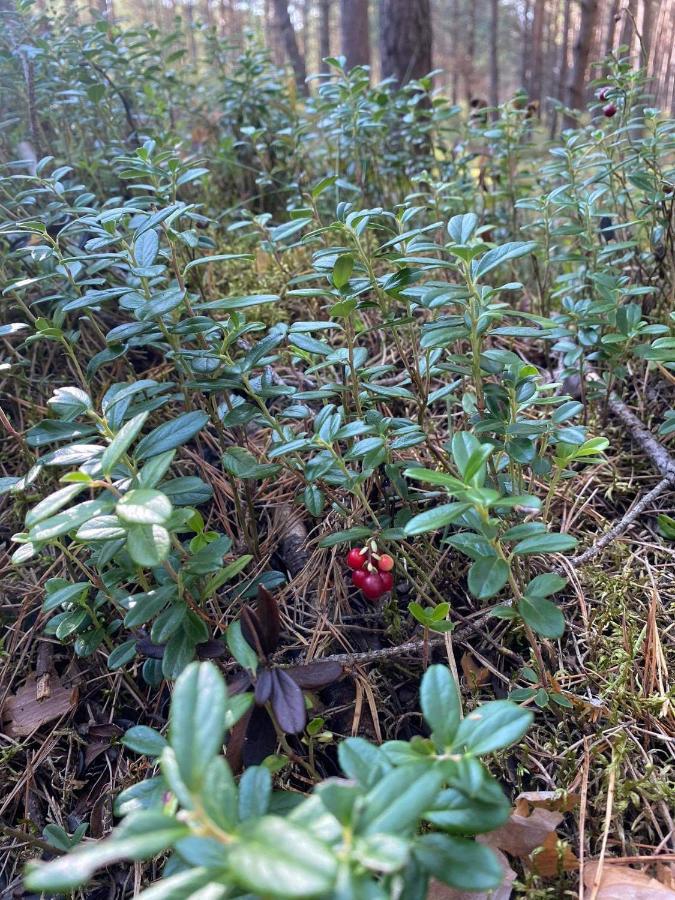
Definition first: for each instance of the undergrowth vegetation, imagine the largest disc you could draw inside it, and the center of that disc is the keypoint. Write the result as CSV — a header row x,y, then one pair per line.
x,y
244,333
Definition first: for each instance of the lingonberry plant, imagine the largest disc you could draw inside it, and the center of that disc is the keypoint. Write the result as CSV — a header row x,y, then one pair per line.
x,y
405,812
359,355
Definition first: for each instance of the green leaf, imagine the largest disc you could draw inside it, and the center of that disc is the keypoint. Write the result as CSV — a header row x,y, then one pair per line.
x,y
460,863
545,543
255,791
148,545
499,255
171,434
432,476
52,504
345,537
197,720
545,585
492,726
220,257
398,800
121,655
156,832
436,518
122,441
240,648
474,470
276,858
144,740
487,576
440,703
69,520
342,270
460,228
144,506
543,616
146,246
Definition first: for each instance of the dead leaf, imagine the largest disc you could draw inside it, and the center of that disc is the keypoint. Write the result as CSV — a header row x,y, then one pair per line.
x,y
553,800
474,674
530,833
439,891
523,834
24,713
624,883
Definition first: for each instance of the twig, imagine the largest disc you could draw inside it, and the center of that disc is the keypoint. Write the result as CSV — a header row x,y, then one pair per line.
x,y
616,530
26,838
409,647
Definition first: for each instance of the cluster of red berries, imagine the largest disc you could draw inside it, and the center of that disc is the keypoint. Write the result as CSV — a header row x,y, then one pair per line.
x,y
371,571
610,109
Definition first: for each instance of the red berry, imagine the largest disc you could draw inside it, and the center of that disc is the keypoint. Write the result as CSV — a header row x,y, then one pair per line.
x,y
358,577
387,581
604,94
385,563
609,110
356,559
372,586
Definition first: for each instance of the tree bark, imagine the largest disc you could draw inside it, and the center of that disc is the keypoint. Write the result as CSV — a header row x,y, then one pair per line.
x,y
405,39
468,55
537,50
627,36
324,33
575,98
494,54
455,52
355,32
525,43
563,66
647,34
290,43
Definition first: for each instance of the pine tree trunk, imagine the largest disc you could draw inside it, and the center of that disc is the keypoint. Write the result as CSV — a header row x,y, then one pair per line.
x,y
470,53
494,54
525,43
405,39
563,66
324,33
290,43
537,50
355,33
575,97
627,36
455,52
647,34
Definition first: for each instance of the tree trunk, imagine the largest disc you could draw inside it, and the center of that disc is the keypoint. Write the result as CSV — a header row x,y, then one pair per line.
x,y
647,34
525,43
290,43
355,33
470,52
455,52
537,50
575,97
494,54
628,27
563,66
324,33
405,39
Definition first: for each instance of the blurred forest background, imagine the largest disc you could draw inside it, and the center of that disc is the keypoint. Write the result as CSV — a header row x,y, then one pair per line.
x,y
482,49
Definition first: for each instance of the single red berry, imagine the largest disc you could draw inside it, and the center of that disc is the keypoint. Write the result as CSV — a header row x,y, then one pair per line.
x,y
385,563
387,581
609,110
356,559
372,586
604,94
358,577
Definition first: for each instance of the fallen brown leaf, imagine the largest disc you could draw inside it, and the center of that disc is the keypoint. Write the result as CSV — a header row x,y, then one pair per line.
x,y
530,833
24,713
624,883
475,675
